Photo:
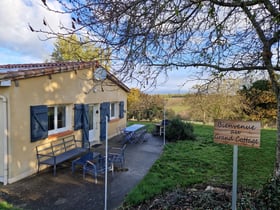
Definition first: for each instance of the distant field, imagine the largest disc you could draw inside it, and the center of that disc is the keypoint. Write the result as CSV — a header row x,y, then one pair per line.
x,y
178,105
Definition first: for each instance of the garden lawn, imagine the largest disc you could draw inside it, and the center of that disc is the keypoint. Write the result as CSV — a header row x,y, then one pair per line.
x,y
186,163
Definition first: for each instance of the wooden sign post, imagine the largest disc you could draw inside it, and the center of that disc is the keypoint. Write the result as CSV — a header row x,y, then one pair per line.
x,y
242,133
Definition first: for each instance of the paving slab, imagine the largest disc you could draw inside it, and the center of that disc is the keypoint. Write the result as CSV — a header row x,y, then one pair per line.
x,y
68,191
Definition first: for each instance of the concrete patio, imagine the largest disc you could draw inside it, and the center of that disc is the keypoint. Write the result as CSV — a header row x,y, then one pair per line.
x,y
70,191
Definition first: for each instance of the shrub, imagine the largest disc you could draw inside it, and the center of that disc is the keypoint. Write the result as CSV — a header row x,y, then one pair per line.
x,y
269,197
179,130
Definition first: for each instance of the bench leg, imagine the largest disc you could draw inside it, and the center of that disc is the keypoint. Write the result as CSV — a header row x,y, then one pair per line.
x,y
95,177
84,174
73,167
54,169
38,168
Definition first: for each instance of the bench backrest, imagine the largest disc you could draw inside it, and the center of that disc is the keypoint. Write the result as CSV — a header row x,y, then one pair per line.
x,y
45,149
64,144
58,146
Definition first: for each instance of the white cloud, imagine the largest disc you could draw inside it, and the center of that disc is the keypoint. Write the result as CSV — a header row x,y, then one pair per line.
x,y
178,82
19,45
15,34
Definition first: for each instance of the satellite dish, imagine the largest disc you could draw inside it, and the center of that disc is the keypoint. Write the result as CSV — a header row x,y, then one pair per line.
x,y
100,74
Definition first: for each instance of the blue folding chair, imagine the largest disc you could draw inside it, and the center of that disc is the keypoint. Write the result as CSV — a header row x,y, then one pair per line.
x,y
96,167
116,155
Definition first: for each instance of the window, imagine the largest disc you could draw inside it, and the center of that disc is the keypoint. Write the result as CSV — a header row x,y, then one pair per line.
x,y
57,119
47,120
114,110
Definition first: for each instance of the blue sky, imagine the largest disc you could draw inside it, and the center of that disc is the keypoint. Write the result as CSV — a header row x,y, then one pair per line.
x,y
19,45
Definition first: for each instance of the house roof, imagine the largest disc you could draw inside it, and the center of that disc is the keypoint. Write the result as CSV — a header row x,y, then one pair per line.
x,y
15,72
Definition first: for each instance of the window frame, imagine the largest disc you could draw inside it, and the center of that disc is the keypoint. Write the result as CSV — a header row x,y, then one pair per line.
x,y
115,113
67,119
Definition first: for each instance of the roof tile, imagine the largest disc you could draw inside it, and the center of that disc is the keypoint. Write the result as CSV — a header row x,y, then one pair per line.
x,y
22,71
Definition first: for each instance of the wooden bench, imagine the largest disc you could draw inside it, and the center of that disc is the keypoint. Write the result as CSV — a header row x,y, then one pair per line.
x,y
59,151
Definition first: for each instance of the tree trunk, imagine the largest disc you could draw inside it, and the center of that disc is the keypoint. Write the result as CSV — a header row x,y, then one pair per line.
x,y
276,88
277,161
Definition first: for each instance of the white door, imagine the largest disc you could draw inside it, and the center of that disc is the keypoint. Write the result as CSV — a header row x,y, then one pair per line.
x,y
93,123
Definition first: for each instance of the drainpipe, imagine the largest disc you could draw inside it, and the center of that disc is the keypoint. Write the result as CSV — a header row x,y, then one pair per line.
x,y
5,140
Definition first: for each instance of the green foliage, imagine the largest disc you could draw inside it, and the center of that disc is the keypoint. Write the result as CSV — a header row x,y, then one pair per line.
x,y
207,107
257,103
179,130
70,48
5,206
260,102
269,197
186,163
263,85
142,106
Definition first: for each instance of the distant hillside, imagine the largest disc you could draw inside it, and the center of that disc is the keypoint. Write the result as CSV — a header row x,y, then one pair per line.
x,y
178,104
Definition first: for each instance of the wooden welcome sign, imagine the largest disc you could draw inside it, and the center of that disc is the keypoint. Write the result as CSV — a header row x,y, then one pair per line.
x,y
242,133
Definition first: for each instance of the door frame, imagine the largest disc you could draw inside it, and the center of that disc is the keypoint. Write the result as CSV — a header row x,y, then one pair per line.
x,y
94,125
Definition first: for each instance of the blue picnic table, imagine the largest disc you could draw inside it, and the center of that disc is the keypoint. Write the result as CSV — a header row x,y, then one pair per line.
x,y
134,133
133,128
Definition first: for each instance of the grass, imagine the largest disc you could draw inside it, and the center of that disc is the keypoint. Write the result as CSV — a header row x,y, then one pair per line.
x,y
5,206
186,163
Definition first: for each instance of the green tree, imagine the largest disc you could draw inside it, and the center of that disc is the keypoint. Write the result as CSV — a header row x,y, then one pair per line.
x,y
260,102
217,101
133,100
210,37
70,48
144,106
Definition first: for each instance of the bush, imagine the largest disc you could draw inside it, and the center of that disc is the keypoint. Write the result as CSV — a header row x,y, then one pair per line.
x,y
269,197
179,130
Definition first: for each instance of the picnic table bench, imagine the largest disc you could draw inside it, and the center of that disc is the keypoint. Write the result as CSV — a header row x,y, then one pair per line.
x,y
59,151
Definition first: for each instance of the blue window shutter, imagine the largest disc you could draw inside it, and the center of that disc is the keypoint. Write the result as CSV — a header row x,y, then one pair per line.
x,y
39,122
78,114
121,115
104,111
85,123
108,111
